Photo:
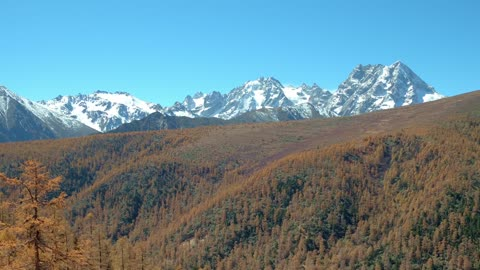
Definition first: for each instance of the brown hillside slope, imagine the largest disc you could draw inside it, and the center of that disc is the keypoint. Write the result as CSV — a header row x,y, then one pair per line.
x,y
159,188
255,141
399,201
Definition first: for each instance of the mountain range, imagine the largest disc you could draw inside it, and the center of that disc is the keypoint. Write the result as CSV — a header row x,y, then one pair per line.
x,y
101,110
368,88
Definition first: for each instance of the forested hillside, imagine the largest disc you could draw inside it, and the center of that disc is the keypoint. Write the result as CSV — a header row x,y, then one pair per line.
x,y
392,201
396,189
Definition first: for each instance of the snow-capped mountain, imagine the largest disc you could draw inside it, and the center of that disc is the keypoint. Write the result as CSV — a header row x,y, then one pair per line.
x,y
103,111
378,87
368,88
22,119
262,94
308,99
254,95
200,105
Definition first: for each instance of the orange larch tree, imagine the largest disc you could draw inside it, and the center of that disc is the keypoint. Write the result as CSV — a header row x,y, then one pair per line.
x,y
36,236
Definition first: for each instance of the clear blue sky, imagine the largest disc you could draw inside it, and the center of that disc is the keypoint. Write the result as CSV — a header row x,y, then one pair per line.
x,y
163,50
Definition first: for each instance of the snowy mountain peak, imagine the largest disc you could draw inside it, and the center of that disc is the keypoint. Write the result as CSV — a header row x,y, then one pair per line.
x,y
315,86
367,88
5,96
254,95
3,89
122,93
264,81
102,110
377,87
6,93
22,119
399,64
39,110
198,95
264,93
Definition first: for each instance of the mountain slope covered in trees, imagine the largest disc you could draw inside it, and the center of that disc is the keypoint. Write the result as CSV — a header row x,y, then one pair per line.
x,y
394,189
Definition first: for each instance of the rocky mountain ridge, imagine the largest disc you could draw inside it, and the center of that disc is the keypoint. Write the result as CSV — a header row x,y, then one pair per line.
x,y
368,88
101,110
22,119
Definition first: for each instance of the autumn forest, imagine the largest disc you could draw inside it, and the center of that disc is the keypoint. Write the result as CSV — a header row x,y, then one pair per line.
x,y
394,189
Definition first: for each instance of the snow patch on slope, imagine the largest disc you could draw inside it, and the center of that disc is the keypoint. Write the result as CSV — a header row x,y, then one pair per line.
x,y
46,114
40,111
4,101
296,94
432,97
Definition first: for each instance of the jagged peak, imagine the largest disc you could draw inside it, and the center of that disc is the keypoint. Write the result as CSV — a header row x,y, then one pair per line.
x,y
57,98
4,89
316,86
101,92
111,93
304,86
177,103
398,63
263,80
9,93
122,93
361,67
216,93
188,101
199,94
360,70
273,80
